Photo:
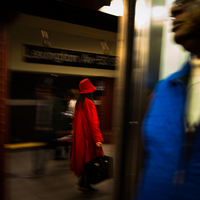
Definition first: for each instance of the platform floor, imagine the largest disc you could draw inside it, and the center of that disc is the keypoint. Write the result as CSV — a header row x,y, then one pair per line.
x,y
58,183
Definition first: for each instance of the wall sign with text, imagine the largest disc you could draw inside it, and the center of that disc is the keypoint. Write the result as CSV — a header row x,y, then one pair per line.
x,y
54,56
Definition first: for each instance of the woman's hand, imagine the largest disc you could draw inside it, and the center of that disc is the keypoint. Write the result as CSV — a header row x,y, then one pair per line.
x,y
98,144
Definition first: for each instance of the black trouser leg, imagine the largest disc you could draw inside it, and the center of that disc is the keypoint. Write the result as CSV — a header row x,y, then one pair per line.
x,y
84,182
87,182
81,182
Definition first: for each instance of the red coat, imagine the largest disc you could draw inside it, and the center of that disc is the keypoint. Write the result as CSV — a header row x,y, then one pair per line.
x,y
86,134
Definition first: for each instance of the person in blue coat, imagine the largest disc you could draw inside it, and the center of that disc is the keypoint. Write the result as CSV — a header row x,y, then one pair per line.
x,y
171,128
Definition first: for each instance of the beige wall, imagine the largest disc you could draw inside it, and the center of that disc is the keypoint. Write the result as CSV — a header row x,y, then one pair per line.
x,y
27,30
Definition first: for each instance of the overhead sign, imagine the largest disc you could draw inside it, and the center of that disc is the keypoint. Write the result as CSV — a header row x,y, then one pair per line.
x,y
54,56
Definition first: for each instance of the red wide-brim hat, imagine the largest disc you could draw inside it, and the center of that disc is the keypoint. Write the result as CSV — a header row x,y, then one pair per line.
x,y
85,86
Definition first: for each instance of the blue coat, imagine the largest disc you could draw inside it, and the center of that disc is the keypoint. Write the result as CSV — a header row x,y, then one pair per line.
x,y
164,140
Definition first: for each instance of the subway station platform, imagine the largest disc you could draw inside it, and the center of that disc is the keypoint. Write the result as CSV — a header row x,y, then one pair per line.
x,y
58,183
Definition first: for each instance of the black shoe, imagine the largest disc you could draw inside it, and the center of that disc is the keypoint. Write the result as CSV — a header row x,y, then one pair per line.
x,y
91,189
82,189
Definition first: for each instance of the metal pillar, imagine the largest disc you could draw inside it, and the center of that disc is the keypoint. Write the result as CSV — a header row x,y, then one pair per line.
x,y
131,95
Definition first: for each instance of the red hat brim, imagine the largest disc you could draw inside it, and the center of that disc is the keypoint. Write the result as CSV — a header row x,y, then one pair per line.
x,y
89,90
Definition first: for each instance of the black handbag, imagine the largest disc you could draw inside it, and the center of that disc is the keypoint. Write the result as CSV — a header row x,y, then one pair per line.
x,y
100,169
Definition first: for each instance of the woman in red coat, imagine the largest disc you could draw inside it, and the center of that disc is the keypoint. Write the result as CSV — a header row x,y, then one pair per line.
x,y
86,133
